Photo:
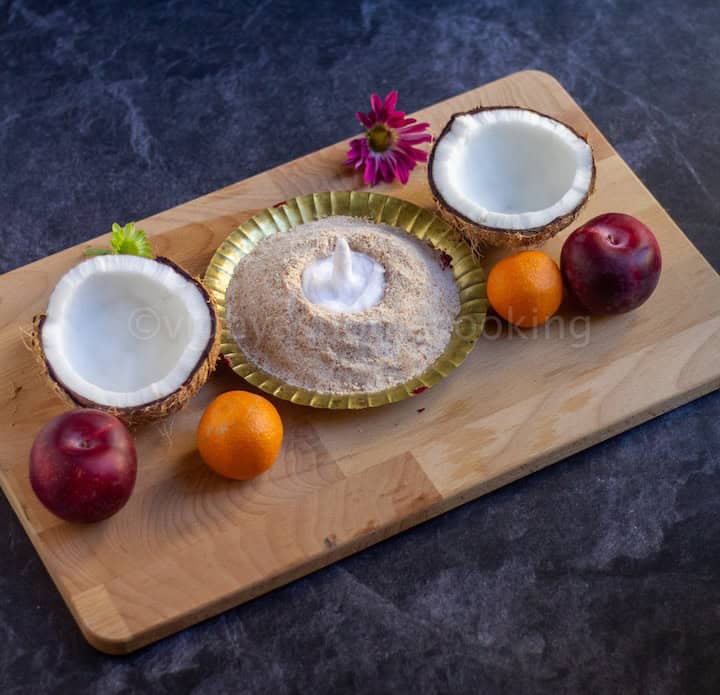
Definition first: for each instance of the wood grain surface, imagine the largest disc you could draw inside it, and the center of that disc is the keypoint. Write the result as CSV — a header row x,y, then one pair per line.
x,y
190,544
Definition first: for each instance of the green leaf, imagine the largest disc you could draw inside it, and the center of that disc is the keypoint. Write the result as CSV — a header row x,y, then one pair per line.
x,y
127,240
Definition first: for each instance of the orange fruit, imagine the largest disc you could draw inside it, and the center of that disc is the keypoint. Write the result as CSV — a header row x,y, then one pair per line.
x,y
526,289
239,435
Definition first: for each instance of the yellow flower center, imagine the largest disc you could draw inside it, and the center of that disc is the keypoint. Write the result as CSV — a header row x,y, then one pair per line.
x,y
380,138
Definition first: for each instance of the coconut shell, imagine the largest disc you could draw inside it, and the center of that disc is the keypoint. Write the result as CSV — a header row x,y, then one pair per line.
x,y
155,410
479,236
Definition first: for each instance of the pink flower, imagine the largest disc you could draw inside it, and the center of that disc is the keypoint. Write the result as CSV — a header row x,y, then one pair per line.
x,y
388,149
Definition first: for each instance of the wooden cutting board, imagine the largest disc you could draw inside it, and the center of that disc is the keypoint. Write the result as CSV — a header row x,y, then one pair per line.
x,y
190,544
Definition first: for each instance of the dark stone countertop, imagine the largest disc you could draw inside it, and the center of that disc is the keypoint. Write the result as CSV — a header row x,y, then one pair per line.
x,y
600,574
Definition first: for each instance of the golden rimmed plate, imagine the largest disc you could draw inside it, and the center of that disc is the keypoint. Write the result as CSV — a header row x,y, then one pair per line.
x,y
421,224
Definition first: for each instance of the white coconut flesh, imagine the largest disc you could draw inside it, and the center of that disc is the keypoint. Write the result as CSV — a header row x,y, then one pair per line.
x,y
123,331
511,168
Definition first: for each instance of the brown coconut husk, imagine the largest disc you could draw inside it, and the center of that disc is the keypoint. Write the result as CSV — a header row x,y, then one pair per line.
x,y
479,236
155,410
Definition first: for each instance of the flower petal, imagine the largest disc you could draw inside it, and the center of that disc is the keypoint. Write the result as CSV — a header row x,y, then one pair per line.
x,y
403,171
398,120
376,104
416,128
419,155
358,153
412,153
392,173
382,167
414,139
389,104
371,171
367,119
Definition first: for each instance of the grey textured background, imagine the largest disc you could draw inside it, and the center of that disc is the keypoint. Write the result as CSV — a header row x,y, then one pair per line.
x,y
598,575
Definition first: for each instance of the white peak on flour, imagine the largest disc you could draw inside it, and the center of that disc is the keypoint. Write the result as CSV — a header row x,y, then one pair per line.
x,y
345,282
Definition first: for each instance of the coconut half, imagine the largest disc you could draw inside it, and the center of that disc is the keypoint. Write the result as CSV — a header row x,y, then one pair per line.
x,y
134,336
510,176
